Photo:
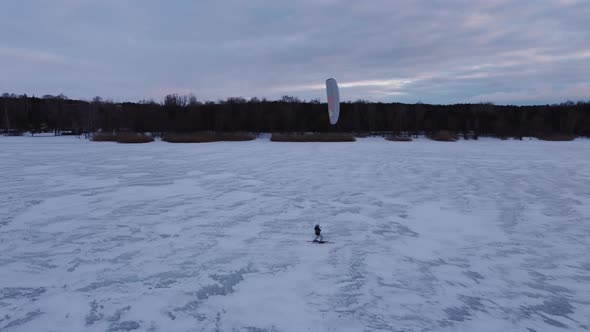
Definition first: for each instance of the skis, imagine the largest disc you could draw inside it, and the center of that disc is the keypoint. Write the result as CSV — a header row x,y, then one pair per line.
x,y
320,242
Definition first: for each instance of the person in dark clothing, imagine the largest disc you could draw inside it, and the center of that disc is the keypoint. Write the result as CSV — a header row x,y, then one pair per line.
x,y
318,230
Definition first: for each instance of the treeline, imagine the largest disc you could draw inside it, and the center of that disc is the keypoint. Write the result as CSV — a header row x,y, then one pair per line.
x,y
289,114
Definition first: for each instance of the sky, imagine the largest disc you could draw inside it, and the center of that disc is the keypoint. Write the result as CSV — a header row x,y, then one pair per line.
x,y
432,51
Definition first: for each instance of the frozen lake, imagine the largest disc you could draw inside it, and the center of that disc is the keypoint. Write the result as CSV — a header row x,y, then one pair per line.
x,y
484,235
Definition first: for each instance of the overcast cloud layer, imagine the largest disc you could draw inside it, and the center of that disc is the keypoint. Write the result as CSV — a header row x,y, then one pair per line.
x,y
432,51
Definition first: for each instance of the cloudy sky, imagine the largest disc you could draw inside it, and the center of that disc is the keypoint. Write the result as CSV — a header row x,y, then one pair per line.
x,y
431,51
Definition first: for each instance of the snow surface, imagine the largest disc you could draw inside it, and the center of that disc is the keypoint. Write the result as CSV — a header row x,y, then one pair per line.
x,y
484,235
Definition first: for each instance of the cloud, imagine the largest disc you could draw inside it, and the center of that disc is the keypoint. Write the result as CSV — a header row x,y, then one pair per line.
x,y
42,57
419,50
541,95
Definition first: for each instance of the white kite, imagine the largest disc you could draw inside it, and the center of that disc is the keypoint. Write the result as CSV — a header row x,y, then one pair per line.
x,y
333,100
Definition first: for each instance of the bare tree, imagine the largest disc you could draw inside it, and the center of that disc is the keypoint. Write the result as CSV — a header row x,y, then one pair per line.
x,y
6,115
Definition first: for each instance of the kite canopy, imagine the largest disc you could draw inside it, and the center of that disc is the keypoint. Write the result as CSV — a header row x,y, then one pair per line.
x,y
333,100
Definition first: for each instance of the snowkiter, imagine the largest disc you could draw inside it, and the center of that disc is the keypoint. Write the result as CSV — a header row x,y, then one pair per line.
x,y
318,230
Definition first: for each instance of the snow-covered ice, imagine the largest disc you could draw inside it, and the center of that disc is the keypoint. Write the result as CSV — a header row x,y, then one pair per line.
x,y
484,235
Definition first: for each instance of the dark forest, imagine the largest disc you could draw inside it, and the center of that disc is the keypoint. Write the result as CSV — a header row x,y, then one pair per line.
x,y
21,113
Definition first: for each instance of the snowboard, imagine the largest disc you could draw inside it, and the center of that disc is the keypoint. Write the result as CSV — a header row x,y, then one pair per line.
x,y
320,242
